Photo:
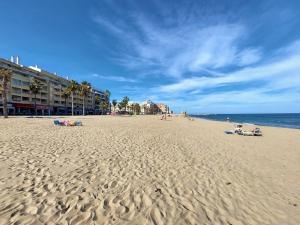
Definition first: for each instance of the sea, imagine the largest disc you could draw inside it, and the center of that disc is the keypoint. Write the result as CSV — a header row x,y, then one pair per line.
x,y
289,120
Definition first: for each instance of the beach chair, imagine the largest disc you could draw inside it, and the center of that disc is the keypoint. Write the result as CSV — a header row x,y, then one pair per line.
x,y
78,123
56,122
229,132
238,128
247,133
64,123
72,123
257,132
238,131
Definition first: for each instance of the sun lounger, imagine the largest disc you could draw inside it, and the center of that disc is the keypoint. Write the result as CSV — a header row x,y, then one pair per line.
x,y
238,131
78,123
67,123
229,132
70,123
257,132
247,133
56,122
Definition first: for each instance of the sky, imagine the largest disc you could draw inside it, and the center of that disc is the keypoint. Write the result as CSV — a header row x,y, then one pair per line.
x,y
200,56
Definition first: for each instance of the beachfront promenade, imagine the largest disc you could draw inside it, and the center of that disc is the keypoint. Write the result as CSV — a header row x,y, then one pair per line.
x,y
141,170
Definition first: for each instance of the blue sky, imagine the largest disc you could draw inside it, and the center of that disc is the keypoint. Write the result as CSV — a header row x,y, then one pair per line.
x,y
201,56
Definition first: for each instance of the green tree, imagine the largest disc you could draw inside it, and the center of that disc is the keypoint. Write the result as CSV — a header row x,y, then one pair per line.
x,y
85,88
120,106
104,106
107,97
73,88
114,103
66,94
132,109
6,75
125,102
107,94
35,88
137,108
97,101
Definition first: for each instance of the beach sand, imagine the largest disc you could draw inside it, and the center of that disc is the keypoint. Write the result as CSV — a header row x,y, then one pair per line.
x,y
141,170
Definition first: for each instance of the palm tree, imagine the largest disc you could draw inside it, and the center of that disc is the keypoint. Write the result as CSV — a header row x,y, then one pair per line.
x,y
97,102
132,109
103,106
85,89
137,108
120,105
73,87
125,102
35,87
114,102
107,96
6,77
66,94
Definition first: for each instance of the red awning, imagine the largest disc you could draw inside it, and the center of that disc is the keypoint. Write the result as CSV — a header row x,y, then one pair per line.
x,y
29,106
22,105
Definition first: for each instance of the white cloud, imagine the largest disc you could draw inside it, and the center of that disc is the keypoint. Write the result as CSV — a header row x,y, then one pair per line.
x,y
115,78
248,56
279,87
181,49
285,69
194,52
108,25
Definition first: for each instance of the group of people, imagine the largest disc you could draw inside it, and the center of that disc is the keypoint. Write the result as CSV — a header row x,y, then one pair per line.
x,y
239,130
164,116
67,123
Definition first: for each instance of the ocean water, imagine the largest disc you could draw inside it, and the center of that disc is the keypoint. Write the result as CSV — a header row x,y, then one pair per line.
x,y
290,120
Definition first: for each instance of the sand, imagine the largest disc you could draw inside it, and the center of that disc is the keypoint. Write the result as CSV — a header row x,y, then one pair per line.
x,y
141,170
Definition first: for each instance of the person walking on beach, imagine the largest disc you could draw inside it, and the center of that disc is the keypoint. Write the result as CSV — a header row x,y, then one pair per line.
x,y
164,116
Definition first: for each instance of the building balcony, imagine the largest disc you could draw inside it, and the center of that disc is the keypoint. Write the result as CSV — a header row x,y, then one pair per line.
x,y
44,97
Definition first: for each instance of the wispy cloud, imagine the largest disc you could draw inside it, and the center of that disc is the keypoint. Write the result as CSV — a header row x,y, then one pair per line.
x,y
115,78
208,59
180,49
248,57
287,68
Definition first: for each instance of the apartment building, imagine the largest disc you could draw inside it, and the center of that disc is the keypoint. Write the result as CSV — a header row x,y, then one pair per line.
x,y
149,107
163,108
50,100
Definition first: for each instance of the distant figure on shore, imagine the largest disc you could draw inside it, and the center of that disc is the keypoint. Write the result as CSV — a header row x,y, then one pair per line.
x,y
227,119
164,116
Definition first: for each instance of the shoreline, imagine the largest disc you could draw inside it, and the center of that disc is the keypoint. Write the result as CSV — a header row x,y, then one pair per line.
x,y
249,123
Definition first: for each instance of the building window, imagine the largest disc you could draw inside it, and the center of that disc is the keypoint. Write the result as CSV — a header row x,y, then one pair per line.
x,y
24,75
25,99
16,90
16,98
26,83
16,82
24,91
